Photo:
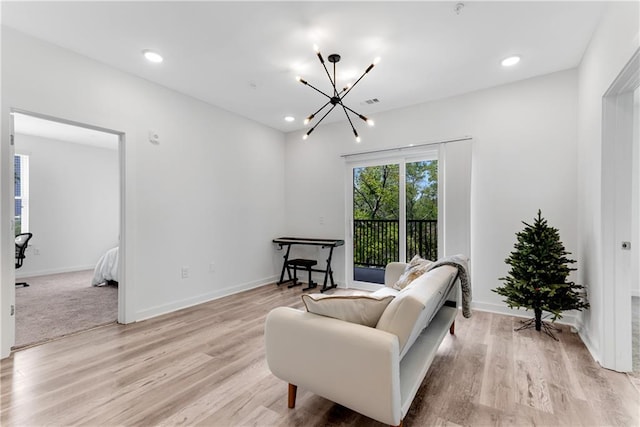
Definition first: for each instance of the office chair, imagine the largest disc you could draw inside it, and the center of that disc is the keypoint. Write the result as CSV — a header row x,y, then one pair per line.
x,y
21,246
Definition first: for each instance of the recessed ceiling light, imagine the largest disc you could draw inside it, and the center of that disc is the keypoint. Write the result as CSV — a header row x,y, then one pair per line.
x,y
510,61
152,56
289,118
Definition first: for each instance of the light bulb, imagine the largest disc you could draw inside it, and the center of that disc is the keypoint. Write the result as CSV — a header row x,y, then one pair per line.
x,y
376,60
370,122
358,140
308,119
510,61
305,136
152,56
316,48
298,78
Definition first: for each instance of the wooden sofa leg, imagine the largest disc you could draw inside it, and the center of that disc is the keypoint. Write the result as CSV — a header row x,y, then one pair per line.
x,y
452,329
292,395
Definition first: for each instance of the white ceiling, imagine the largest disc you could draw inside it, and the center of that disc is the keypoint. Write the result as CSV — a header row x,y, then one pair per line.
x,y
244,56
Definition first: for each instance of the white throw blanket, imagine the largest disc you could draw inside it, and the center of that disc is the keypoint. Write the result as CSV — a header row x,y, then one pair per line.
x,y
106,268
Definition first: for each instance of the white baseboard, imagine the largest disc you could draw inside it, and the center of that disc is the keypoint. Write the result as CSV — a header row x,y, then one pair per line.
x,y
20,273
584,336
209,296
567,319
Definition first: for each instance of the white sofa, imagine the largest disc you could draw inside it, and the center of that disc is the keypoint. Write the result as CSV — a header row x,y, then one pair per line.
x,y
375,371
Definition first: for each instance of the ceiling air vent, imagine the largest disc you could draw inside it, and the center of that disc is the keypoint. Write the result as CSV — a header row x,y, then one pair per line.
x,y
370,101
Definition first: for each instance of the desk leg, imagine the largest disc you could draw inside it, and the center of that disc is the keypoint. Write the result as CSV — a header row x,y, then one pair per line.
x,y
284,267
328,273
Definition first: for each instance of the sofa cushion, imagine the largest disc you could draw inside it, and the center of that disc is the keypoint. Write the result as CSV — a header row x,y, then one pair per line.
x,y
362,309
412,309
416,268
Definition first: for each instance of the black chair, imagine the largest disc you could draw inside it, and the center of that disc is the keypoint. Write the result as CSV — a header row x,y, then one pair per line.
x,y
22,240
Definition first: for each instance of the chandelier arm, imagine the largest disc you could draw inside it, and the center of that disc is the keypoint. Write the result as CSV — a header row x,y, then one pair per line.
x,y
317,90
353,85
329,75
320,121
335,91
321,108
345,108
357,114
325,115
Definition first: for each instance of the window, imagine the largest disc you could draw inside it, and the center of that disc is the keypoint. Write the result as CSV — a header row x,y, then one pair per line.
x,y
395,211
21,193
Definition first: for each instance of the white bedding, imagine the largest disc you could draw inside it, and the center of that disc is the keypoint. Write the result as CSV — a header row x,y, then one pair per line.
x,y
106,268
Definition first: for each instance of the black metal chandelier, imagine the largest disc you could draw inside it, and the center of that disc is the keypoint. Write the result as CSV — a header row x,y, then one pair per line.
x,y
336,99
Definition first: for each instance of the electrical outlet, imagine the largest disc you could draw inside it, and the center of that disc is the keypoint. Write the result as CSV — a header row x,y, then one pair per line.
x,y
184,272
321,220
13,310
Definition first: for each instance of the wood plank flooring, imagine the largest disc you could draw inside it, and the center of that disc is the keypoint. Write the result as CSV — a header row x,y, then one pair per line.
x,y
206,366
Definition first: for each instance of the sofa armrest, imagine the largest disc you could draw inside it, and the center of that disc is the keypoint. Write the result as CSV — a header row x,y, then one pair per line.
x,y
392,272
347,363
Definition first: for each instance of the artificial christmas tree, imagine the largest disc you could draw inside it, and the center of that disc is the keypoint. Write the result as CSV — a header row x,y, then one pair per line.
x,y
537,279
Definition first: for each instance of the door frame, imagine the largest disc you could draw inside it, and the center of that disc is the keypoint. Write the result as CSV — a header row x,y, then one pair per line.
x,y
617,172
410,155
123,289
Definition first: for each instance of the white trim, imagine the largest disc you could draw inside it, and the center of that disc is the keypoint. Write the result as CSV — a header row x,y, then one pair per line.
x,y
54,271
402,210
587,342
617,143
419,147
14,111
125,275
203,298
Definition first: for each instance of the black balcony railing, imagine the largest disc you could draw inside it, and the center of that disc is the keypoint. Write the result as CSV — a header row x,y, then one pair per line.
x,y
375,241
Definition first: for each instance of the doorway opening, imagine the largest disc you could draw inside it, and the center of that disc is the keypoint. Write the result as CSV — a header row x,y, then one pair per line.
x,y
68,197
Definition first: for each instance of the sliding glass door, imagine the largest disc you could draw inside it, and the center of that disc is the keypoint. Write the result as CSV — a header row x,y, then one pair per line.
x,y
376,213
394,214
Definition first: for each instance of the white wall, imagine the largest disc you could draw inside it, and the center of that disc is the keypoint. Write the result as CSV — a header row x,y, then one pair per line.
x,y
74,204
523,158
212,191
611,47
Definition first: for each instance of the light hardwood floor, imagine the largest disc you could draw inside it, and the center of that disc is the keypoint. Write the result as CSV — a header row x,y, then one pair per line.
x,y
205,365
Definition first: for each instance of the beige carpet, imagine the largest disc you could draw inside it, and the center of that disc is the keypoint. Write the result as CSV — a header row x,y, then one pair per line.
x,y
61,304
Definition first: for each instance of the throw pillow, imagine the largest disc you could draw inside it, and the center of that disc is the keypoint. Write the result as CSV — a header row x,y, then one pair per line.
x,y
416,268
361,309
